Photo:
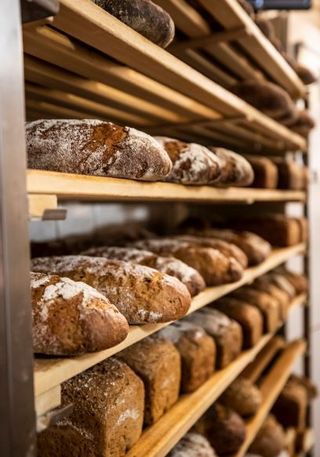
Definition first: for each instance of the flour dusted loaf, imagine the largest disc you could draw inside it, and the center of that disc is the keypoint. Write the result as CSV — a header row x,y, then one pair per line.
x,y
144,16
268,306
214,267
243,397
192,445
246,315
265,172
256,248
70,318
108,404
93,147
140,293
290,407
226,332
235,169
270,439
192,163
228,249
197,350
157,362
168,265
224,429
64,440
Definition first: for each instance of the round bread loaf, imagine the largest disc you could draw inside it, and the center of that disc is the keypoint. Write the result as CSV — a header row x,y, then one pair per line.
x,y
70,318
243,397
270,439
192,445
235,169
93,147
140,293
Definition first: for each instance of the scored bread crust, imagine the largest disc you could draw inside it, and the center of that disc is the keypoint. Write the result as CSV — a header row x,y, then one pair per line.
x,y
141,294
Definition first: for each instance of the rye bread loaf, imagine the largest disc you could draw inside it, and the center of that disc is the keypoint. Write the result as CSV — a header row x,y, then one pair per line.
x,y
265,172
108,403
70,318
290,407
265,285
140,293
235,169
268,306
243,397
309,386
197,351
144,16
214,267
224,429
246,315
157,362
65,439
228,249
297,280
193,164
168,265
291,174
93,147
282,283
267,97
270,440
256,248
192,445
226,332
304,124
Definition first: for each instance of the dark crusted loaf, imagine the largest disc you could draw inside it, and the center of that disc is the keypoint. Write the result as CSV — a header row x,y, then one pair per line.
x,y
243,397
93,147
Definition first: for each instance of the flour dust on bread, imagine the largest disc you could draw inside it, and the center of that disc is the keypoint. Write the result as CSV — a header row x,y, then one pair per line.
x,y
193,164
235,169
93,147
70,318
192,445
141,294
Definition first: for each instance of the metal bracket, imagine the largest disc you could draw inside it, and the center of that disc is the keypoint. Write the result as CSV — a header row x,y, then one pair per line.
x,y
35,10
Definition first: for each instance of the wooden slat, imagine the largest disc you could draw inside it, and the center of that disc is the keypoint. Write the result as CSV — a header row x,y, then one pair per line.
x,y
52,372
80,187
48,400
270,389
38,204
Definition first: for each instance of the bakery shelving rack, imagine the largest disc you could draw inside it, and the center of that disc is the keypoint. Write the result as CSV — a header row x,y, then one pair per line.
x,y
84,63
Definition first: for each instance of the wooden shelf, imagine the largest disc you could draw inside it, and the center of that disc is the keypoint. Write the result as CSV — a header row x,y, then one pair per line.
x,y
173,93
271,387
79,187
49,373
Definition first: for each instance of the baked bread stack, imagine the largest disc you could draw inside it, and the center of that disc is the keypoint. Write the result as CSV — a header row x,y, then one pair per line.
x,y
140,293
227,334
270,440
243,397
168,265
192,445
157,362
71,318
197,351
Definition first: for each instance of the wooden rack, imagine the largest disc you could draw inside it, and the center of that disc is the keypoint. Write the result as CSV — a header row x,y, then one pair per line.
x,y
160,438
67,79
50,373
63,186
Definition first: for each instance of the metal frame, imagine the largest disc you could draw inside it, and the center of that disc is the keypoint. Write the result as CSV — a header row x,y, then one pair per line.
x,y
17,417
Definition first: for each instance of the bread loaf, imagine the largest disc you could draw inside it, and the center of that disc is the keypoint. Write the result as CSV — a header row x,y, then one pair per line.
x,y
144,16
168,265
265,172
228,249
192,445
282,283
255,248
214,267
157,362
298,281
197,351
235,169
64,440
267,97
140,293
270,439
265,285
310,387
291,174
246,315
268,306
193,164
70,318
226,332
92,147
290,407
224,429
243,397
304,124
108,404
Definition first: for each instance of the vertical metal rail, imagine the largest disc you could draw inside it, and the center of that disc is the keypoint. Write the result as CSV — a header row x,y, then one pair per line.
x,y
17,418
